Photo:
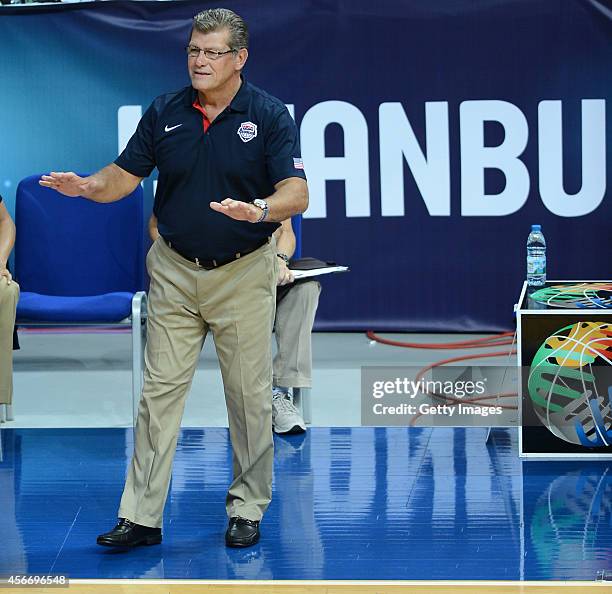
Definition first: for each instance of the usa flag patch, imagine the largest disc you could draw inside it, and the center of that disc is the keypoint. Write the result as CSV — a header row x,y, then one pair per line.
x,y
298,163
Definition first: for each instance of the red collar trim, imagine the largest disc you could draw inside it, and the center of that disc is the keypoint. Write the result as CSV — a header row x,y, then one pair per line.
x,y
205,121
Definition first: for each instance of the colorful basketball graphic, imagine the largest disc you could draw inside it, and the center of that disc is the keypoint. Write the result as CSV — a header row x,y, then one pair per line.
x,y
570,383
568,516
577,295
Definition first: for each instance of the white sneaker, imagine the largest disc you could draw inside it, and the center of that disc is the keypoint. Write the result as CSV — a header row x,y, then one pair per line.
x,y
286,418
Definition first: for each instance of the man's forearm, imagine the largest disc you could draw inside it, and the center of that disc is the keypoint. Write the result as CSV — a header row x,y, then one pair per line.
x,y
290,198
153,230
285,244
110,184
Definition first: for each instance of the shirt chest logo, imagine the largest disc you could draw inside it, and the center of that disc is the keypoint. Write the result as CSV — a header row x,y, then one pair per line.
x,y
247,131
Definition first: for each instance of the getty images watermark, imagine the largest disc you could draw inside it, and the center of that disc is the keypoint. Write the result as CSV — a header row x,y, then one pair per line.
x,y
448,396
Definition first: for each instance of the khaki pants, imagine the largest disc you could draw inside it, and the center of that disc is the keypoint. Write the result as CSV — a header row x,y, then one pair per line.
x,y
9,295
236,302
295,314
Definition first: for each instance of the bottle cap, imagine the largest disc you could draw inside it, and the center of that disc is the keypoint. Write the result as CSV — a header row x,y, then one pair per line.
x,y
536,227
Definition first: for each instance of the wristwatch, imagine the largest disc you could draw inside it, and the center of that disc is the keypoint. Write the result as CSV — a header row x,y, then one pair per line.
x,y
259,203
283,257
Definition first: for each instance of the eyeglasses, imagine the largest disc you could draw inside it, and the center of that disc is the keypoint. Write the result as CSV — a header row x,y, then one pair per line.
x,y
193,51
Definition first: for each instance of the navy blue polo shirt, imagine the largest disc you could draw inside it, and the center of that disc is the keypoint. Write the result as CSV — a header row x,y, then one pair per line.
x,y
248,148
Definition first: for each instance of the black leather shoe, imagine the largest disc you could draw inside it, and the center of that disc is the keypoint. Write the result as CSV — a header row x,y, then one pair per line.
x,y
128,534
241,533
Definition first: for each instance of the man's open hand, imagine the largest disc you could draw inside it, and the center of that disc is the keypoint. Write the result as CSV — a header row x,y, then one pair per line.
x,y
238,210
69,184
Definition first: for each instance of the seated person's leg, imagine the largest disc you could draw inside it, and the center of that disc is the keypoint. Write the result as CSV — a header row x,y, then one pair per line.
x,y
9,295
292,365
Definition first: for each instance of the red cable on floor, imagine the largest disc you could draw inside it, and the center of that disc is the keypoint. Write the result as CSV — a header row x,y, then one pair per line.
x,y
425,369
454,399
489,341
497,340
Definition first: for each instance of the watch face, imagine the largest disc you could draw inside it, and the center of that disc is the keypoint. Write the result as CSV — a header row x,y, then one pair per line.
x,y
263,205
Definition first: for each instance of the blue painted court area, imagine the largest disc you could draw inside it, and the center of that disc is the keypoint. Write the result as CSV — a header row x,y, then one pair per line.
x,y
349,503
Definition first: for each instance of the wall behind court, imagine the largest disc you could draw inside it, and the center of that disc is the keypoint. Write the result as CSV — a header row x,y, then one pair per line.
x,y
434,134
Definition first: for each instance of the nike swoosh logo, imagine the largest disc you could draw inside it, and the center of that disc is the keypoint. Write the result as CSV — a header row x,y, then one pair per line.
x,y
170,128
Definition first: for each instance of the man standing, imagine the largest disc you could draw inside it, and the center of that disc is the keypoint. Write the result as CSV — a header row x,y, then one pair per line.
x,y
9,295
229,168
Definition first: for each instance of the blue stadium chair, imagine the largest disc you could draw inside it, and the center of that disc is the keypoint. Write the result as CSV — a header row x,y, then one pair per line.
x,y
301,396
81,263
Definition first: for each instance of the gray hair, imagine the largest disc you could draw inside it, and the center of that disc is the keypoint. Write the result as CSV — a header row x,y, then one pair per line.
x,y
216,19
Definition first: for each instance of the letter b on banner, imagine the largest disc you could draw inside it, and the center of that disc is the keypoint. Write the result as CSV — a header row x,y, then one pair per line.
x,y
476,157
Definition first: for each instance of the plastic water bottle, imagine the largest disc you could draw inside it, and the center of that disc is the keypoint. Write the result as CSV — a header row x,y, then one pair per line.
x,y
536,257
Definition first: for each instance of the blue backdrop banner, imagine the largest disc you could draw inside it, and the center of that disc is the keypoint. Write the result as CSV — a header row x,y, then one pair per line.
x,y
433,133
